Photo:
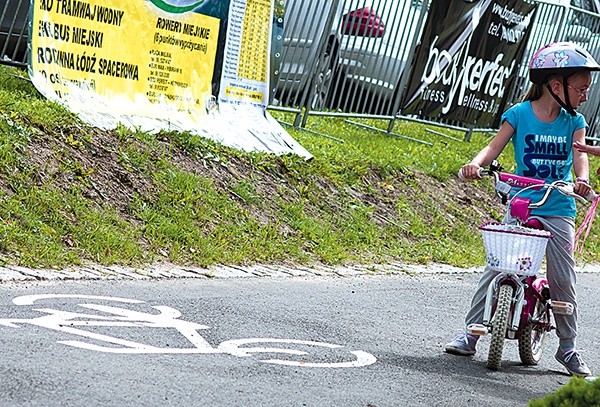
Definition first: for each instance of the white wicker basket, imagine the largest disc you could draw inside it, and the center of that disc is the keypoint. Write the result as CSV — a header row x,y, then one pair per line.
x,y
514,249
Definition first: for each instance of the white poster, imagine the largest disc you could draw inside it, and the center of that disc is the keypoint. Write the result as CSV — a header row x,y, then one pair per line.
x,y
162,78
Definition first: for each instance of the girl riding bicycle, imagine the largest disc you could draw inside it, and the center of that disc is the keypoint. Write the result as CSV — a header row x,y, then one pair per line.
x,y
543,129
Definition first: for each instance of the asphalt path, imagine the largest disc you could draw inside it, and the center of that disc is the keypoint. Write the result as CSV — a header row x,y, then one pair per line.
x,y
190,342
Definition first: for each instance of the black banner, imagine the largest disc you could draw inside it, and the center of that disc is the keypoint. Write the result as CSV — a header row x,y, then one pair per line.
x,y
468,60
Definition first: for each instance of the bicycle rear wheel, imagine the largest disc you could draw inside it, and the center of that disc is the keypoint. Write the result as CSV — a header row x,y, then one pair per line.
x,y
531,337
499,325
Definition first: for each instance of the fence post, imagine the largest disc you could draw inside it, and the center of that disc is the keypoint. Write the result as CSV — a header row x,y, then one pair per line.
x,y
468,134
402,81
310,92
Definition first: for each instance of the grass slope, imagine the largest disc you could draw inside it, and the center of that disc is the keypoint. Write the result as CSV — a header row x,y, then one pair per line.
x,y
72,194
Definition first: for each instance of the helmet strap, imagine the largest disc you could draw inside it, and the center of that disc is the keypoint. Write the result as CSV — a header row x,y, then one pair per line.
x,y
567,103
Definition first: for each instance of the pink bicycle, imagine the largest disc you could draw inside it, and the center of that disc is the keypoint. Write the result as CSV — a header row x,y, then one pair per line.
x,y
518,304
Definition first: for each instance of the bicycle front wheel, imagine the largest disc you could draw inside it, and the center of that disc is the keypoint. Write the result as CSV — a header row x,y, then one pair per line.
x,y
499,325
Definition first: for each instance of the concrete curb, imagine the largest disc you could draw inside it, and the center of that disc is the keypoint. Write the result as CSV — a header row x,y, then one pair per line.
x,y
163,271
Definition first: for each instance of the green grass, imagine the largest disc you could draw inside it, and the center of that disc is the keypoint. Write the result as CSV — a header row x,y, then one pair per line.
x,y
72,194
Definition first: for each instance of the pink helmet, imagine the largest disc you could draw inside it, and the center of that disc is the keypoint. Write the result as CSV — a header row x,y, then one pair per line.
x,y
560,58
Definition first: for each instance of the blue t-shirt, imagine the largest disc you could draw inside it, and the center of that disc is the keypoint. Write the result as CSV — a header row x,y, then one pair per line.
x,y
543,150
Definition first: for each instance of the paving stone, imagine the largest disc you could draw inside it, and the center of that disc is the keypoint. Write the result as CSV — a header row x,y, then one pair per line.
x,y
348,271
259,271
92,273
588,268
38,274
97,272
229,272
198,272
177,272
134,274
7,274
293,272
276,271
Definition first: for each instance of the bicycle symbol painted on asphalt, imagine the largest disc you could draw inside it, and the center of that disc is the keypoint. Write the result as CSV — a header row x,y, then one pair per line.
x,y
73,323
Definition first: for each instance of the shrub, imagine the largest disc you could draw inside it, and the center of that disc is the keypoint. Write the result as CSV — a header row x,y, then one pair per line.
x,y
577,393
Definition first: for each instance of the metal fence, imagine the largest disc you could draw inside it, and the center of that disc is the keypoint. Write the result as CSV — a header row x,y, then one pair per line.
x,y
352,57
374,41
309,55
14,20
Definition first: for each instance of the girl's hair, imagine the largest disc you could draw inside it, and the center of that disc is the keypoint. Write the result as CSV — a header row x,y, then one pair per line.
x,y
534,92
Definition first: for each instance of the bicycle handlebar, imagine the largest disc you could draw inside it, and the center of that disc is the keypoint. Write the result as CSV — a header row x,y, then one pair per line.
x,y
512,180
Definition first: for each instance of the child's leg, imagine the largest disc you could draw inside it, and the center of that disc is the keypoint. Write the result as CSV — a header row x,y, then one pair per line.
x,y
463,343
475,314
561,275
561,279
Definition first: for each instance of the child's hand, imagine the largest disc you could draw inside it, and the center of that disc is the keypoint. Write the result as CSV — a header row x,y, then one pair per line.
x,y
584,148
470,171
582,188
581,147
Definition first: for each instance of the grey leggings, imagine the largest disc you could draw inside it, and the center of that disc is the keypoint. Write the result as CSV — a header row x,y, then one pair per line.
x,y
560,271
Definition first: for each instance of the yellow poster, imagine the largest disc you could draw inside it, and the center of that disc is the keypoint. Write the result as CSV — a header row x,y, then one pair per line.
x,y
119,48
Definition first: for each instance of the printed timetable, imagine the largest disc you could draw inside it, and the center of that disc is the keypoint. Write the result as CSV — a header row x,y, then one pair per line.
x,y
245,69
255,41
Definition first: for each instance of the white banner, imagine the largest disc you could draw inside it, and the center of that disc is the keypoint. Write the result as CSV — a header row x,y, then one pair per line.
x,y
151,65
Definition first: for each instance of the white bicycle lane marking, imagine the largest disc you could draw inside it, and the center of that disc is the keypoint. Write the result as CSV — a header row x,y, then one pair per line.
x,y
72,322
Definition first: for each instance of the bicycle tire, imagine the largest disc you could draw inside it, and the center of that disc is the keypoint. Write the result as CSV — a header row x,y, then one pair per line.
x,y
531,337
499,325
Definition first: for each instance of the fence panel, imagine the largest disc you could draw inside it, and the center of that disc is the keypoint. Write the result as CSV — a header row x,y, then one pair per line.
x,y
352,57
376,44
309,54
376,40
14,20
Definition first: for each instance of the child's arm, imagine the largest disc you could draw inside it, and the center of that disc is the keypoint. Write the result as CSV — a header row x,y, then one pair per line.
x,y
584,148
489,153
